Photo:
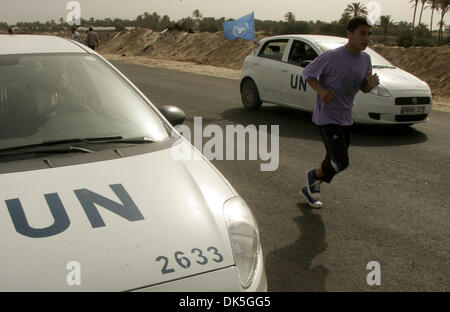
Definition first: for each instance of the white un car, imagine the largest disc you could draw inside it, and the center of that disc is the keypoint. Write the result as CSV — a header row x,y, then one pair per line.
x,y
92,196
273,74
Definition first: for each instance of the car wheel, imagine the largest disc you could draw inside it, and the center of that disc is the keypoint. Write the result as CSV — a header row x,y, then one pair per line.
x,y
249,95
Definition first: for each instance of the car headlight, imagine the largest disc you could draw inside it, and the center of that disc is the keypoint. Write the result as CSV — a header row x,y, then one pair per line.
x,y
380,90
244,236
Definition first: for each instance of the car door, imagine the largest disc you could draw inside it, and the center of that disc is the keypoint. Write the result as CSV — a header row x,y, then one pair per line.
x,y
268,69
295,91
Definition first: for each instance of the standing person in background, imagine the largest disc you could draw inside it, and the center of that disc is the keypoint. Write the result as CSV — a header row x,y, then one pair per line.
x,y
10,31
337,75
76,36
92,39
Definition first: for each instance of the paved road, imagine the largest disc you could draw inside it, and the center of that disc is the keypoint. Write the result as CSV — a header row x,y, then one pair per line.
x,y
391,205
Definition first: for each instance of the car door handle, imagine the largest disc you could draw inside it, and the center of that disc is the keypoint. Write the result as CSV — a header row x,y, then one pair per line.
x,y
256,64
284,70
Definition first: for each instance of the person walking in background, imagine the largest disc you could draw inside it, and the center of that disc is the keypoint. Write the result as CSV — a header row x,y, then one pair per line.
x,y
336,76
10,31
76,36
92,39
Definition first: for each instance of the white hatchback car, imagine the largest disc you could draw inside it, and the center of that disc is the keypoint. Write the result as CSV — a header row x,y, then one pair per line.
x,y
91,195
273,74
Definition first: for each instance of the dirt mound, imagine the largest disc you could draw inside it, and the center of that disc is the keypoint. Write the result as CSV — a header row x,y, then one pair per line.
x,y
201,48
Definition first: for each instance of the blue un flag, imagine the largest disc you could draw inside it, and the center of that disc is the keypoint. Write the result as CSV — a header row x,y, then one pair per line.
x,y
241,28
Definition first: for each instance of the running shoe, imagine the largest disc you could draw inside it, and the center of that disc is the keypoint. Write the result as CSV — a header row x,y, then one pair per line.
x,y
313,203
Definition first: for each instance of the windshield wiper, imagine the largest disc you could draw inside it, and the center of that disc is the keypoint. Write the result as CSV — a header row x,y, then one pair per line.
x,y
63,149
63,146
116,139
137,140
56,142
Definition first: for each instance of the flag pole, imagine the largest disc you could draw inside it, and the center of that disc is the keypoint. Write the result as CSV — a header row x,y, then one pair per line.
x,y
254,36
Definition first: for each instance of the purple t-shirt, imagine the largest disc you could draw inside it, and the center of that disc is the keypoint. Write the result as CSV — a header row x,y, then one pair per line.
x,y
343,72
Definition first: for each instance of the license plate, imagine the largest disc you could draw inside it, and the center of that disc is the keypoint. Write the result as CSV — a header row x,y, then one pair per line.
x,y
412,110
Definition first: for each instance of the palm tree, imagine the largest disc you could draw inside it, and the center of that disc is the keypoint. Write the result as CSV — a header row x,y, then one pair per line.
x,y
356,9
153,21
345,18
289,17
197,15
187,23
443,6
385,20
146,19
421,10
433,5
414,2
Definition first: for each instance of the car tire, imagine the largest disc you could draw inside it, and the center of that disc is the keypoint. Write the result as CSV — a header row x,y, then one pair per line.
x,y
249,95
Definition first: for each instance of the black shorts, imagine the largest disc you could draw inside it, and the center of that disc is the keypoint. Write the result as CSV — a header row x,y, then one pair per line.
x,y
336,139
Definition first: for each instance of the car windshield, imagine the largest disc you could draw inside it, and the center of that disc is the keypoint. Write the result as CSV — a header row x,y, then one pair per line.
x,y
51,97
377,59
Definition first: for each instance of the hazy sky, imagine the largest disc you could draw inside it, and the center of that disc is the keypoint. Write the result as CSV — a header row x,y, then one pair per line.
x,y
12,11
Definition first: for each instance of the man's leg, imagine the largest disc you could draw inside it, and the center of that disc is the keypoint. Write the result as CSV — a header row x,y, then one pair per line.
x,y
336,140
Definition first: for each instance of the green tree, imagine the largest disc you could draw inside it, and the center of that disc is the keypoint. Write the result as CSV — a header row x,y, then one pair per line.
x,y
155,20
289,17
187,24
356,9
165,22
139,21
209,24
443,6
345,18
197,15
385,21
146,20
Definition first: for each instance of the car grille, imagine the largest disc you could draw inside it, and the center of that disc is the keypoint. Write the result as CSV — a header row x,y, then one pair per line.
x,y
401,118
421,100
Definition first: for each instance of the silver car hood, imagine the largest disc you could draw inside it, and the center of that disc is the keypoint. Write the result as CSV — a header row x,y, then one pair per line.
x,y
178,206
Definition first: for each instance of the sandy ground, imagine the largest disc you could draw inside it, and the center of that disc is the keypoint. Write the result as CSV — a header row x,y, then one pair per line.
x,y
439,103
190,67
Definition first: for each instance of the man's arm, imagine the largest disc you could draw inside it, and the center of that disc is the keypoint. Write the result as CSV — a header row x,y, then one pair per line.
x,y
325,95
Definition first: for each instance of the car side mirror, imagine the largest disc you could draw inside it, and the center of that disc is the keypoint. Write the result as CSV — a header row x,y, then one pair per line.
x,y
173,114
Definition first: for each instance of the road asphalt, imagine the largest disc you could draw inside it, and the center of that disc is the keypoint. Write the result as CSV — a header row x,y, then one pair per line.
x,y
390,206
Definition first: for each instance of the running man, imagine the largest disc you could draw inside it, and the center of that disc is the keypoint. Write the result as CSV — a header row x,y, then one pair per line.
x,y
336,76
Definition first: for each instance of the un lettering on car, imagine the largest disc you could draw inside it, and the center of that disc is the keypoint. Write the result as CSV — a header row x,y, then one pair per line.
x,y
127,209
301,85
